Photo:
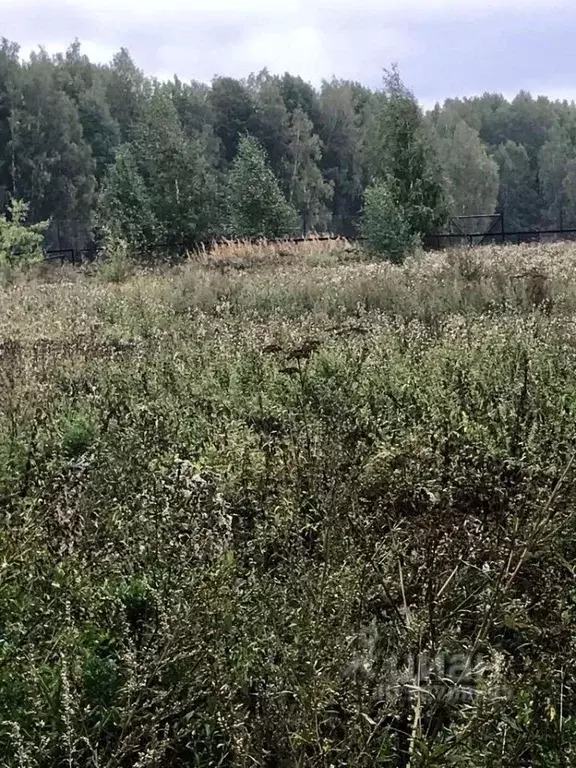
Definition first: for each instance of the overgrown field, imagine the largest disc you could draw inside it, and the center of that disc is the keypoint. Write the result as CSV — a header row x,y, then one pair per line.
x,y
310,512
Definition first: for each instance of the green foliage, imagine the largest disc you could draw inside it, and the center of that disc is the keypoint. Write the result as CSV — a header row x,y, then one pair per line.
x,y
308,191
256,203
161,188
569,195
518,196
20,244
116,265
270,123
124,207
385,226
180,182
76,434
320,515
343,128
471,175
553,160
51,164
94,147
9,75
125,86
402,150
86,88
234,114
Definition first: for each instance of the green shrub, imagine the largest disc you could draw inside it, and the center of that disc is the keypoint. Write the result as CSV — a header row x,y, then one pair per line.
x,y
20,244
384,225
77,434
117,263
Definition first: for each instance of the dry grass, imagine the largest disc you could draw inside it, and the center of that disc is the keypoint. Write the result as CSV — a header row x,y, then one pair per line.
x,y
429,286
263,252
266,517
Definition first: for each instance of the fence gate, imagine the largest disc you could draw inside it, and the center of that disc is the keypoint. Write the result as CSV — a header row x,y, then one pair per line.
x,y
469,230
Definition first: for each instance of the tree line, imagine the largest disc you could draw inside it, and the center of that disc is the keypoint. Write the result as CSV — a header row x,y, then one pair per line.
x,y
103,148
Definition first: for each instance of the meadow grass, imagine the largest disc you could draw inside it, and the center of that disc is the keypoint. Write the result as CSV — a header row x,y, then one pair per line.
x,y
290,510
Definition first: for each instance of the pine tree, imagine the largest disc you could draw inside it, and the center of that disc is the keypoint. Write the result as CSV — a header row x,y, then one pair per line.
x,y
256,204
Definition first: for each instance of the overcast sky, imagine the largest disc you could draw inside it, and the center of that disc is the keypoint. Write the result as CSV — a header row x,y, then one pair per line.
x,y
444,47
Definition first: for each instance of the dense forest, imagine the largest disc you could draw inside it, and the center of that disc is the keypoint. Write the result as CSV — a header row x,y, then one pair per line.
x,y
95,147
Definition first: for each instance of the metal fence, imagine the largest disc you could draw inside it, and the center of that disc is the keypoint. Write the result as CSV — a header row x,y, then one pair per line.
x,y
456,236
442,240
174,250
71,255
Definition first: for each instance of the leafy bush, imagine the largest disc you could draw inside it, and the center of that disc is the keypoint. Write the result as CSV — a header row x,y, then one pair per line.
x,y
77,434
117,262
384,225
20,244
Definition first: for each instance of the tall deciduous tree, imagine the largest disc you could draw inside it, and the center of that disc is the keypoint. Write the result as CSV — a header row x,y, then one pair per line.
x,y
517,196
530,122
177,173
271,124
308,192
52,164
126,89
569,191
9,72
342,111
403,151
84,83
298,94
125,210
101,132
471,175
195,113
553,161
234,114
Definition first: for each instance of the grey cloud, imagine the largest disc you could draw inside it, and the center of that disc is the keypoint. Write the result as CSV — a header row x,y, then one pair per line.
x,y
441,54
451,55
506,53
33,22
